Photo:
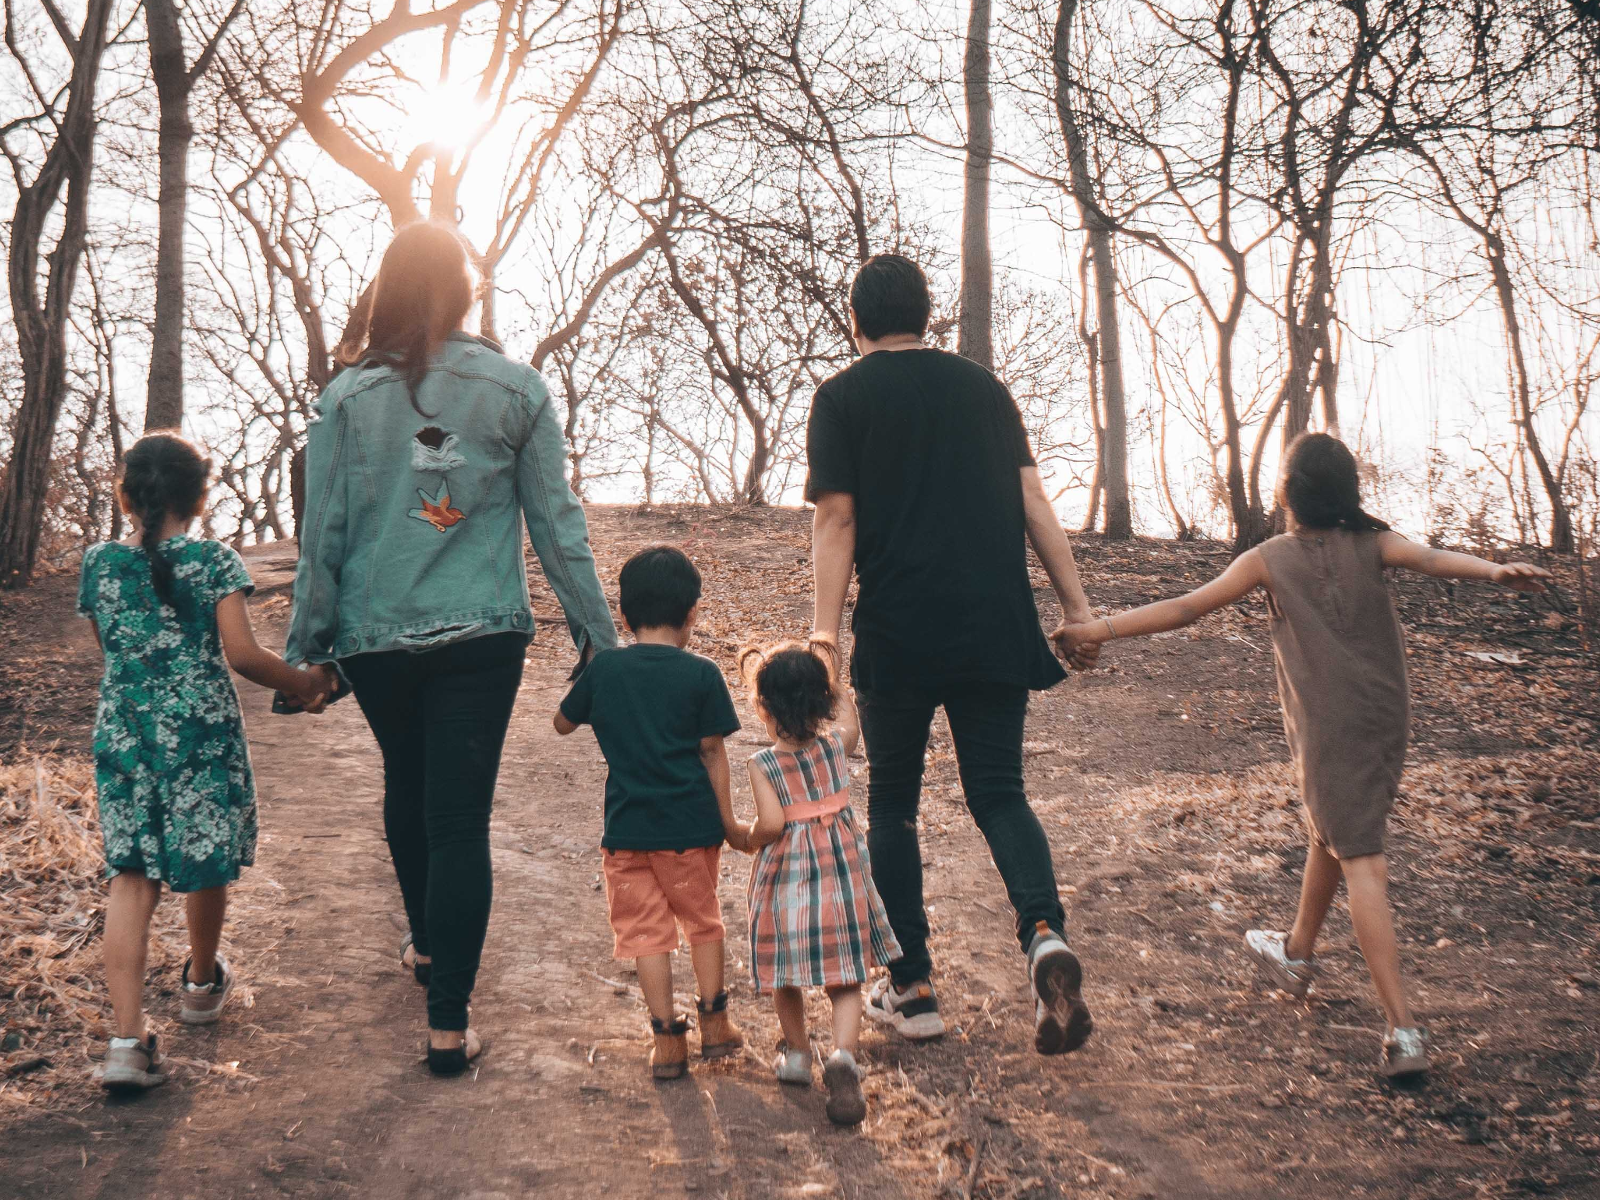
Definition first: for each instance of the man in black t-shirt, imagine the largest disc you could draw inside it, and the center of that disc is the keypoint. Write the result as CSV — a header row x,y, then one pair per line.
x,y
924,485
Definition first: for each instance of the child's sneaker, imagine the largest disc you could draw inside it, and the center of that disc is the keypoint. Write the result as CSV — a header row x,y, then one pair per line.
x,y
669,1058
847,1104
912,1013
793,1066
719,1036
133,1066
203,1002
1405,1052
1293,975
1061,1020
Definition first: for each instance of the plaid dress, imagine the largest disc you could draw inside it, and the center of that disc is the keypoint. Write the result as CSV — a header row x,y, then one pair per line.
x,y
815,917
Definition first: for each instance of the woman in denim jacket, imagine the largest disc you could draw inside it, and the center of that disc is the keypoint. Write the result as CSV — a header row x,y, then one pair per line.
x,y
424,458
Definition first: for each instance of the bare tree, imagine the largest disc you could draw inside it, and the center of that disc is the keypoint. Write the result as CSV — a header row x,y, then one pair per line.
x,y
64,127
1113,473
175,78
975,337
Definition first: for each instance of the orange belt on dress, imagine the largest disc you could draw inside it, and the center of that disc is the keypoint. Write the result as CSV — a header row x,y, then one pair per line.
x,y
808,810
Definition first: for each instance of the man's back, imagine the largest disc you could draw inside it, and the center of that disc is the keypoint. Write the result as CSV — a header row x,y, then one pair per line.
x,y
931,446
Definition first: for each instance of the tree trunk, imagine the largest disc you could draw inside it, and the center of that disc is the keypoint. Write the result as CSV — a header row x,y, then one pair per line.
x,y
1561,540
41,325
1113,398
164,395
975,335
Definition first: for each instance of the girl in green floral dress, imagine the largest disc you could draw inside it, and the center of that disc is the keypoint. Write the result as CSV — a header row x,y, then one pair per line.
x,y
172,769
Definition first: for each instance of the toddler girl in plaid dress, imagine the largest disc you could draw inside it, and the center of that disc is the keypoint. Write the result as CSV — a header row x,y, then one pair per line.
x,y
815,917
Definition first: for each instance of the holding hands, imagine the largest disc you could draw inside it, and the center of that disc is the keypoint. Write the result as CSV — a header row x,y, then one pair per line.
x,y
1078,642
1075,641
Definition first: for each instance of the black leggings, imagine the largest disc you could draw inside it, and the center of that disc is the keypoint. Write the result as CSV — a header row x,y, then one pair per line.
x,y
986,723
440,718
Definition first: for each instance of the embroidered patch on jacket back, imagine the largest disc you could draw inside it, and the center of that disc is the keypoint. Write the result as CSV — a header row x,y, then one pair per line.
x,y
437,451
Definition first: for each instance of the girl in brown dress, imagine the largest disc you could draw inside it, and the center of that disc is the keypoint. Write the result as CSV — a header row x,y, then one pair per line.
x,y
1342,680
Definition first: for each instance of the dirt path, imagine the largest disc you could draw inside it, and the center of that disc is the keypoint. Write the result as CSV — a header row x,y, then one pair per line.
x,y
1162,787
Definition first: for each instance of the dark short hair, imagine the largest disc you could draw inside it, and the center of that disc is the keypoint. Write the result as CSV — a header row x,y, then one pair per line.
x,y
794,685
659,586
890,295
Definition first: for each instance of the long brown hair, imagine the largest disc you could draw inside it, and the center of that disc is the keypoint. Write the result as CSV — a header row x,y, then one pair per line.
x,y
1322,487
425,286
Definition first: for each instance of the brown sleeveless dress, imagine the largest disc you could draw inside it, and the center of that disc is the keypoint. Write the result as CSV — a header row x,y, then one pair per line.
x,y
1342,679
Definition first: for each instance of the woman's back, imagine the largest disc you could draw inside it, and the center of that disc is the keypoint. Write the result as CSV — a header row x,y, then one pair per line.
x,y
415,510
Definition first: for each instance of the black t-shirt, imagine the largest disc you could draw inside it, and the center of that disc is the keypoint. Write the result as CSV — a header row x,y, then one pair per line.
x,y
932,446
650,705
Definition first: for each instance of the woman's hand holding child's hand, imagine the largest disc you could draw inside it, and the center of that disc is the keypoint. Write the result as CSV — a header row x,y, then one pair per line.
x,y
319,682
1522,577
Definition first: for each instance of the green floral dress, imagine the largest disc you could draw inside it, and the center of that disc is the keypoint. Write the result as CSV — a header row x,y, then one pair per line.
x,y
177,798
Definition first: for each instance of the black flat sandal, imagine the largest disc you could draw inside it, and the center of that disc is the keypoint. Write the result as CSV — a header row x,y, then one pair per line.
x,y
457,1059
422,972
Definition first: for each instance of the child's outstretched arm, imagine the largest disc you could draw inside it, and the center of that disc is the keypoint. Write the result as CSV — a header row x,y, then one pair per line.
x,y
1244,575
1448,564
255,662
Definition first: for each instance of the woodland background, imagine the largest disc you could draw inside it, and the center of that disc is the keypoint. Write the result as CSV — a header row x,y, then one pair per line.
x,y
1182,233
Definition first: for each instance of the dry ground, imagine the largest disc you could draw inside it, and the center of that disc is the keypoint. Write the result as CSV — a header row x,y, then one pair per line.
x,y
1162,783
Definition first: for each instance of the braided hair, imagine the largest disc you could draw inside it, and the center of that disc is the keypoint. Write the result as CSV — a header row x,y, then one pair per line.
x,y
162,476
794,684
1322,487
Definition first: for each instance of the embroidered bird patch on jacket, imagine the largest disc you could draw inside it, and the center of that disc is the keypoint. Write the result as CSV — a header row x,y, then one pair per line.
x,y
436,508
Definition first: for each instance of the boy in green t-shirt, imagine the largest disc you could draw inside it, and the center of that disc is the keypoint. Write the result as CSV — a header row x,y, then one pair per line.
x,y
660,715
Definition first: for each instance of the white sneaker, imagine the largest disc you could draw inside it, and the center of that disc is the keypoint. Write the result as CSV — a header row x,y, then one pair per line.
x,y
847,1104
913,1013
1405,1052
1293,975
203,1002
793,1066
133,1066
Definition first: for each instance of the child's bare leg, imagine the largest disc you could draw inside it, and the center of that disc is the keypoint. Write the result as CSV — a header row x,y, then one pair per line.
x,y
1318,886
707,958
129,906
655,981
791,1005
1367,883
205,910
847,1006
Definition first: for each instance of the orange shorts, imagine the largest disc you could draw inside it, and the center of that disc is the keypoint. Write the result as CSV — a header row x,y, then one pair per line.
x,y
651,892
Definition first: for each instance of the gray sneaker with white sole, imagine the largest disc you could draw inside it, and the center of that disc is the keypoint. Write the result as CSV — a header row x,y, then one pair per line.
x,y
1405,1052
203,1003
133,1065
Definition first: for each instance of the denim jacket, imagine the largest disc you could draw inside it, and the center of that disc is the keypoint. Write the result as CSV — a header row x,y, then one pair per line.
x,y
412,536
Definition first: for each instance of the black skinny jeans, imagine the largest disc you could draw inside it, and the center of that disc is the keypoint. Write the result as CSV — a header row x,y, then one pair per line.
x,y
986,723
440,718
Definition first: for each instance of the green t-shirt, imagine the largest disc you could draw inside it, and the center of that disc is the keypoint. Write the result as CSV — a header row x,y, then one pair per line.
x,y
650,705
